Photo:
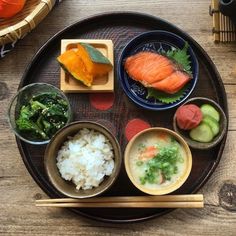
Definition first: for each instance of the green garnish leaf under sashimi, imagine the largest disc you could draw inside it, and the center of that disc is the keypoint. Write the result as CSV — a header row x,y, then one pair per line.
x,y
181,57
164,97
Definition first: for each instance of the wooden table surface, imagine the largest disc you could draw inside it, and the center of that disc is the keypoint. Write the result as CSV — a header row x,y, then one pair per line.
x,y
19,216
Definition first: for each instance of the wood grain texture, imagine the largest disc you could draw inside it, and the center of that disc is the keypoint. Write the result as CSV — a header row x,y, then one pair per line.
x,y
19,216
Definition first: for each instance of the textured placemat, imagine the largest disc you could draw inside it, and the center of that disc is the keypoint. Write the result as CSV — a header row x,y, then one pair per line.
x,y
224,30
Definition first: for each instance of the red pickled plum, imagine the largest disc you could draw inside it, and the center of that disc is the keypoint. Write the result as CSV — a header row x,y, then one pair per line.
x,y
188,116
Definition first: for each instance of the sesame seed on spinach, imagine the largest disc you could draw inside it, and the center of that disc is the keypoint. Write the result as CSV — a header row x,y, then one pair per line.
x,y
42,116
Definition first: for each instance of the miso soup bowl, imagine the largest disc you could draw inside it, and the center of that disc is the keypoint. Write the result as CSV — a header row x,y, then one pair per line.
x,y
165,187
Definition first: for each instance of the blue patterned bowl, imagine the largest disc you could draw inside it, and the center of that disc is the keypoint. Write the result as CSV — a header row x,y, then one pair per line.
x,y
155,41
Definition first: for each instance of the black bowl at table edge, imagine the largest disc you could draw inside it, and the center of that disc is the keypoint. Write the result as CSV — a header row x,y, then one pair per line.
x,y
67,188
228,8
223,124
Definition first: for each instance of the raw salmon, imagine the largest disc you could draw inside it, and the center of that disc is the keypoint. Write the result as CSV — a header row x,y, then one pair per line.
x,y
156,71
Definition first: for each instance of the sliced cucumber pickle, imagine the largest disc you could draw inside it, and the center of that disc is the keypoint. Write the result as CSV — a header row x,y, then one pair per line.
x,y
214,125
202,133
209,110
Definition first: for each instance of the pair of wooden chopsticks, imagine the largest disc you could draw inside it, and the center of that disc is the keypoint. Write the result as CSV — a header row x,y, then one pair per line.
x,y
167,201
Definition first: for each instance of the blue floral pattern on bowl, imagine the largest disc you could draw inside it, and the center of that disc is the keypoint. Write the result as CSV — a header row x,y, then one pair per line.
x,y
160,42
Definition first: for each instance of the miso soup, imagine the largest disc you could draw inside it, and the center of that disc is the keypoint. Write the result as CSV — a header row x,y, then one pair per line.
x,y
157,160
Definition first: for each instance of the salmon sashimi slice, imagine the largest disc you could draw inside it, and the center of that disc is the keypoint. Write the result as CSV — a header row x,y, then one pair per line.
x,y
173,83
156,71
148,67
148,153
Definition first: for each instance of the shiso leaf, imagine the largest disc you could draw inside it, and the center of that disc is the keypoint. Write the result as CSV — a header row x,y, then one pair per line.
x,y
164,97
181,57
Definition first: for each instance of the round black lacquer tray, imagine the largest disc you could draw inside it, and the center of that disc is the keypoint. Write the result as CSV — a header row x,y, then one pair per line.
x,y
121,27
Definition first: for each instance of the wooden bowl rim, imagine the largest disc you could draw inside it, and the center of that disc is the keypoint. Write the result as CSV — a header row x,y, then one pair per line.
x,y
173,186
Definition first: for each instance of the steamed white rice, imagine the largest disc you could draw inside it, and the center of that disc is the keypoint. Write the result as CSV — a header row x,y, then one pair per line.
x,y
85,159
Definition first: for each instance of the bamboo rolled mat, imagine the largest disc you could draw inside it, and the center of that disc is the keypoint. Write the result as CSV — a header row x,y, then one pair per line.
x,y
224,30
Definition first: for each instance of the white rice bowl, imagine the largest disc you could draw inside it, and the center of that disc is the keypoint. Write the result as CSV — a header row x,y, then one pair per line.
x,y
85,159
